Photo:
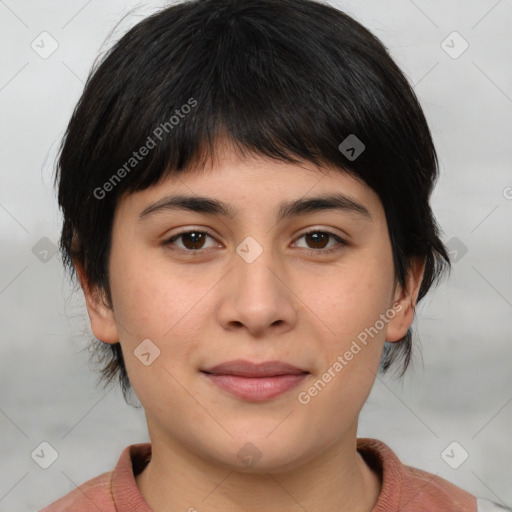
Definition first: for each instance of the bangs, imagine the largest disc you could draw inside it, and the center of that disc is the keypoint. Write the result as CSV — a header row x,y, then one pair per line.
x,y
246,80
291,80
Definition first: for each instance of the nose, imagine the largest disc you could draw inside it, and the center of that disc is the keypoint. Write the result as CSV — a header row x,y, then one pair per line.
x,y
256,295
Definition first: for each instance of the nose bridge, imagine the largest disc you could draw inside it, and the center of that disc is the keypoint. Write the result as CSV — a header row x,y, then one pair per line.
x,y
254,270
255,295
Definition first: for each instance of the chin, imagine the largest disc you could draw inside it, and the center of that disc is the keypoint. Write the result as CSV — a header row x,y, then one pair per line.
x,y
258,454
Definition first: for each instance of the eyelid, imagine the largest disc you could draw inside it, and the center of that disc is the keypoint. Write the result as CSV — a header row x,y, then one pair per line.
x,y
341,239
325,229
189,229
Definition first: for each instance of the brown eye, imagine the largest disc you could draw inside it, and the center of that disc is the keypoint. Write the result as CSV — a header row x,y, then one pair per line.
x,y
191,241
317,241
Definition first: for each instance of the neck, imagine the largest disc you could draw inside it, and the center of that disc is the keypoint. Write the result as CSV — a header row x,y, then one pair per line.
x,y
179,479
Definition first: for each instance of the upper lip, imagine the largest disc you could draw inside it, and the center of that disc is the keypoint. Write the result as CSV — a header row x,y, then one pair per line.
x,y
245,368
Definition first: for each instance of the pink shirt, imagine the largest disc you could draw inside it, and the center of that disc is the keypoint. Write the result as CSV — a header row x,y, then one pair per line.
x,y
404,489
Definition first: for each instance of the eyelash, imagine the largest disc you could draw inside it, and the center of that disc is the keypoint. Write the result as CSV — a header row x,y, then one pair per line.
x,y
192,252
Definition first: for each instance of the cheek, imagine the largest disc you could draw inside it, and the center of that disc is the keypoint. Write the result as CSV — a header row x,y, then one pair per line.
x,y
150,296
352,297
162,308
156,302
350,348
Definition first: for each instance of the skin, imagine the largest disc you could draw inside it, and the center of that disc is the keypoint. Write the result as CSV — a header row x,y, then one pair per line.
x,y
287,305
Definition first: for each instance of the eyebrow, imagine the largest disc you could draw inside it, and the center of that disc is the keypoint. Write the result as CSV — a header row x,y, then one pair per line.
x,y
303,206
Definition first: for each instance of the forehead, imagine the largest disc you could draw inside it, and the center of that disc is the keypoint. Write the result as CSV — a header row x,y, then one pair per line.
x,y
230,185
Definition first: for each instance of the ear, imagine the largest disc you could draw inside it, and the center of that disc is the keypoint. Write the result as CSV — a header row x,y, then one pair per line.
x,y
102,319
405,301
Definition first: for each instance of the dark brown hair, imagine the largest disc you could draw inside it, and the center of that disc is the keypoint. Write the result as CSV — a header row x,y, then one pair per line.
x,y
288,79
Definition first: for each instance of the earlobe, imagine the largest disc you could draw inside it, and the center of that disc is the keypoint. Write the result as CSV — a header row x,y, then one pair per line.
x,y
102,319
405,301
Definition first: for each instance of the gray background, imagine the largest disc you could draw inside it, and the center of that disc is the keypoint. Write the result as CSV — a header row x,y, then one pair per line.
x,y
459,388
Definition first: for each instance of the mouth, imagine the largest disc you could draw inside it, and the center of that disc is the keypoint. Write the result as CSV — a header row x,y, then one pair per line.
x,y
255,382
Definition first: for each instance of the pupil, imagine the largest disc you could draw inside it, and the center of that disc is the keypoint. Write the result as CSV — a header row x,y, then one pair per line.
x,y
315,237
196,239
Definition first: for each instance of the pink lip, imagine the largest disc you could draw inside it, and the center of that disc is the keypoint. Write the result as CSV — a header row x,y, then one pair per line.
x,y
255,382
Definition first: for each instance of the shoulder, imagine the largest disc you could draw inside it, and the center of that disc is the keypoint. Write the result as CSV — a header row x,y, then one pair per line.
x,y
410,489
95,494
426,489
430,488
110,491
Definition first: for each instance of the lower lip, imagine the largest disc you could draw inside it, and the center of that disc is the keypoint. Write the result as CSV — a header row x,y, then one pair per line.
x,y
257,389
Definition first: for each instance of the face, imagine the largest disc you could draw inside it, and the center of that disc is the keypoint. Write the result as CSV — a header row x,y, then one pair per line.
x,y
313,288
